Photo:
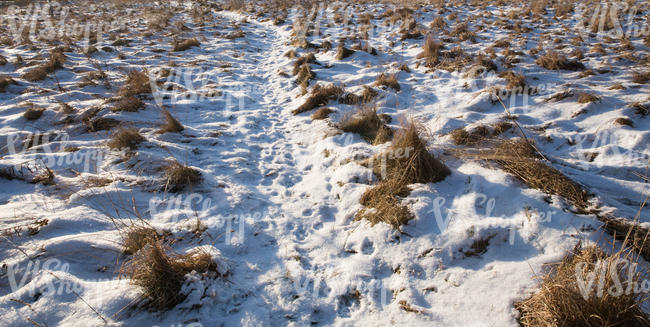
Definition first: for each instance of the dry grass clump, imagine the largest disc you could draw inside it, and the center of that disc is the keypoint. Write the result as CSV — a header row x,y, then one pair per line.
x,y
438,23
501,127
56,61
367,96
101,124
3,60
640,109
515,80
128,103
33,113
161,273
125,138
588,98
185,44
5,81
320,95
521,159
555,61
388,80
364,122
137,82
431,49
179,177
462,32
641,77
343,52
137,237
305,59
305,74
406,162
567,298
460,136
172,125
321,113
624,121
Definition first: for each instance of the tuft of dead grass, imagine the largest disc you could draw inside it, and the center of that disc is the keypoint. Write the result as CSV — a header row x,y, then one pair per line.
x,y
137,82
55,61
460,136
641,77
161,273
5,81
125,138
179,177
588,98
364,122
128,103
185,44
388,80
555,61
567,296
33,113
321,113
343,52
320,95
171,125
137,237
624,121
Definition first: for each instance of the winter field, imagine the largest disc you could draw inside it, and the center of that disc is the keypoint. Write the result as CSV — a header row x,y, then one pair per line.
x,y
302,163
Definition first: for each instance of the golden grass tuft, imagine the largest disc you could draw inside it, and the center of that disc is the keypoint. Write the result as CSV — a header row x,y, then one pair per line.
x,y
565,297
185,44
55,61
5,81
460,136
179,177
137,237
641,77
33,113
137,82
125,138
364,122
321,113
128,103
388,80
555,61
343,52
588,98
171,125
161,273
320,95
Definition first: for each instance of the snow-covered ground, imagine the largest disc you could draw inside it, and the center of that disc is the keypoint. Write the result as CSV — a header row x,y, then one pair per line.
x,y
280,191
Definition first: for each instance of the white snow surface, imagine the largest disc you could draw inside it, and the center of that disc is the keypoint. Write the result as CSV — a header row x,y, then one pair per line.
x,y
282,190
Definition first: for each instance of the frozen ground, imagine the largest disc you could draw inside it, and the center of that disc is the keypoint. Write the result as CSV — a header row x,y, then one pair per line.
x,y
280,192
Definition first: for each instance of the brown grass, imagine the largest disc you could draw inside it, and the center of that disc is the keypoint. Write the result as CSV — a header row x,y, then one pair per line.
x,y
555,61
515,80
179,177
308,58
320,95
101,124
406,162
305,74
388,80
430,49
521,159
137,82
125,138
33,113
55,61
343,52
186,44
460,136
561,300
588,98
161,273
364,122
5,81
128,103
641,77
624,121
321,113
137,237
171,125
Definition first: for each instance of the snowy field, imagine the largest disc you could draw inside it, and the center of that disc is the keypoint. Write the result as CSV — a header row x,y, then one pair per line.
x,y
198,128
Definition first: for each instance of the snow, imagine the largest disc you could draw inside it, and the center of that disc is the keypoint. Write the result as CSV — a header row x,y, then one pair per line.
x,y
280,211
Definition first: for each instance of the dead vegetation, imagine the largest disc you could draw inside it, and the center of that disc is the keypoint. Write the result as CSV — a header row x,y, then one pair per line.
x,y
343,52
161,273
185,44
320,95
137,82
587,288
641,77
55,61
33,112
125,138
366,123
171,125
388,80
137,236
179,177
406,162
321,113
128,103
5,81
555,61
